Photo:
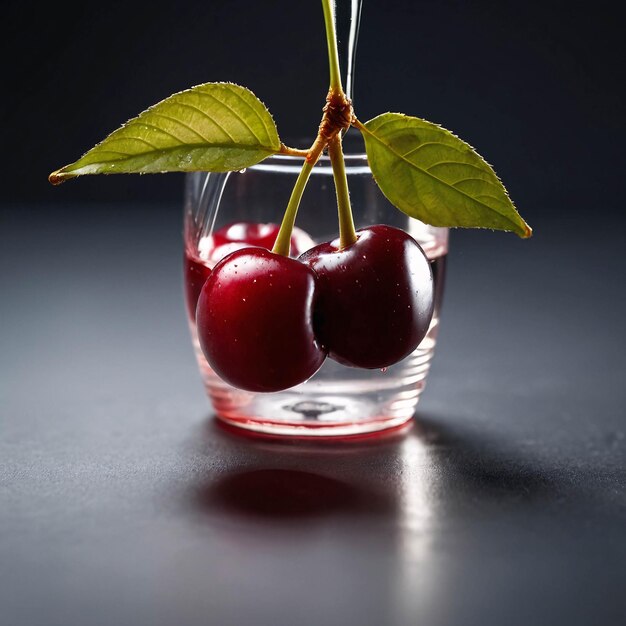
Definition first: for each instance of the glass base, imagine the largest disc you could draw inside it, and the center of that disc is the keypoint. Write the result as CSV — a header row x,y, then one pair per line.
x,y
319,419
338,402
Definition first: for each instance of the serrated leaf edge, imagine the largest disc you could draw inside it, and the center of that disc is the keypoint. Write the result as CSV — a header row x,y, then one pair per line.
x,y
527,230
66,173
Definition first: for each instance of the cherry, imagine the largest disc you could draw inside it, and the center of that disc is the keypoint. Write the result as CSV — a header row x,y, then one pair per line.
x,y
375,297
227,239
244,234
252,233
196,274
255,321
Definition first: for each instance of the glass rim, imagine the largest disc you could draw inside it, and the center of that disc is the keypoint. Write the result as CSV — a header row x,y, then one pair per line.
x,y
356,163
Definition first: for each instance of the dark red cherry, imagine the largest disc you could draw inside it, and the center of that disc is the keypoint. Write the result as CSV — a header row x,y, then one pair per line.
x,y
195,274
255,321
375,297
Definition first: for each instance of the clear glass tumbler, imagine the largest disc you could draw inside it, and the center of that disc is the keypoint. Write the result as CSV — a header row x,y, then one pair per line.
x,y
338,401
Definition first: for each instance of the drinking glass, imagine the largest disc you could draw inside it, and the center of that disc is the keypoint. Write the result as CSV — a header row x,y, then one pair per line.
x,y
338,401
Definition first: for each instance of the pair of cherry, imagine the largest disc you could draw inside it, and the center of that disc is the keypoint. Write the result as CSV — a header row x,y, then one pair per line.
x,y
267,322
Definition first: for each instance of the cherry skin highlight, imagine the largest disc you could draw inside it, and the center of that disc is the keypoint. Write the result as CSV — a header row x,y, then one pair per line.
x,y
255,321
375,297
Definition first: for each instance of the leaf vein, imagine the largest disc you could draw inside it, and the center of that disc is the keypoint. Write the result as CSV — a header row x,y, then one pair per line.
x,y
461,163
480,180
139,122
253,109
487,195
187,126
132,138
234,112
423,145
105,151
209,117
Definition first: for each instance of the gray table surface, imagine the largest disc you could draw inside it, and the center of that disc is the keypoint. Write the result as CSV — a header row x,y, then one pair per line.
x,y
122,502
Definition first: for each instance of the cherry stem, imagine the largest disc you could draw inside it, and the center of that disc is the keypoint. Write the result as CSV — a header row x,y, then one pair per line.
x,y
347,234
282,245
337,116
292,151
331,39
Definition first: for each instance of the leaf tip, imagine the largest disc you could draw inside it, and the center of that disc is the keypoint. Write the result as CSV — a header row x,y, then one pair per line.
x,y
58,176
527,231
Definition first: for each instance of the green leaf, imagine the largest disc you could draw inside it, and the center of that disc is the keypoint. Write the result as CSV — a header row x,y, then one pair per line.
x,y
215,127
432,175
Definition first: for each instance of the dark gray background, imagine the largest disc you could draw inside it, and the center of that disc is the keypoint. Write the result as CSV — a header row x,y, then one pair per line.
x,y
536,87
121,502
